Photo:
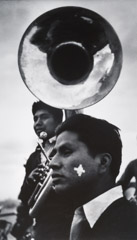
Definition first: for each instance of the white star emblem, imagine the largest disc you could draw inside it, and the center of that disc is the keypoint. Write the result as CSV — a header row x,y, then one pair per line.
x,y
80,170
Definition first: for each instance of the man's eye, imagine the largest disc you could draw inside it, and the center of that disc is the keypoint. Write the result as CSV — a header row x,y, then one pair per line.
x,y
35,119
45,116
67,152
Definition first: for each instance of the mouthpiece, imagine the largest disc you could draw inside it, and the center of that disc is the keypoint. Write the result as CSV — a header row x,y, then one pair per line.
x,y
43,135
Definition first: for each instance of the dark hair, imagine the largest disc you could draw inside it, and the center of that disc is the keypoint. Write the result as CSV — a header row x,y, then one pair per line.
x,y
99,135
57,113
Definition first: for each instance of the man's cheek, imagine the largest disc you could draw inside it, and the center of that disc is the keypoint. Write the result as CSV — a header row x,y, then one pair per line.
x,y
79,170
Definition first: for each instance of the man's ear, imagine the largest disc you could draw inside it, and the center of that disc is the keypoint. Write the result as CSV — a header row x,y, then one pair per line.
x,y
105,161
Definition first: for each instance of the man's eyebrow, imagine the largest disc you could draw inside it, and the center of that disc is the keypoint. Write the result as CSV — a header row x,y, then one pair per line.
x,y
44,114
63,146
66,145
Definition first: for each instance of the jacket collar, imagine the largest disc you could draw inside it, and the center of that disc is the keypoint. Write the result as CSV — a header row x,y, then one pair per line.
x,y
97,206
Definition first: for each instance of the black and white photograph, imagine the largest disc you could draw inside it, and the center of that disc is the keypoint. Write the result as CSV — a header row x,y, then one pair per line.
x,y
68,100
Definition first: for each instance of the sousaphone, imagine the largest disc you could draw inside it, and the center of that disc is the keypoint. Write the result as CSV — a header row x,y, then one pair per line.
x,y
70,57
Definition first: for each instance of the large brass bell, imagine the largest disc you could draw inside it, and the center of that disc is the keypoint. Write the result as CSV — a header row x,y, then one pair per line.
x,y
70,57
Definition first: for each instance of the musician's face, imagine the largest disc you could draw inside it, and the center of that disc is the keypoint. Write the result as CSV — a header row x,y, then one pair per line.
x,y
74,169
44,121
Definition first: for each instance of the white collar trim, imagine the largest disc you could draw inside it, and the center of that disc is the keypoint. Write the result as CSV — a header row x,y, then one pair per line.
x,y
97,206
51,140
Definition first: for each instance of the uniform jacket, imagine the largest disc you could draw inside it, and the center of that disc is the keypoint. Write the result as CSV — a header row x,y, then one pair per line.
x,y
117,221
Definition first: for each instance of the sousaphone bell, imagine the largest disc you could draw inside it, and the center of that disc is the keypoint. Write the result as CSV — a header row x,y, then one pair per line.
x,y
70,57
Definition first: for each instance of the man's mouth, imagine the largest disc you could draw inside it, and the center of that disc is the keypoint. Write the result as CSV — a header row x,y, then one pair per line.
x,y
39,130
56,177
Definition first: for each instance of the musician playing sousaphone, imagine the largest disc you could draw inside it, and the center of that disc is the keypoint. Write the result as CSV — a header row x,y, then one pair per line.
x,y
53,220
69,58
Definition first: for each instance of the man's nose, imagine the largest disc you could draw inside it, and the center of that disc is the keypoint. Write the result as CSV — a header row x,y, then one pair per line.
x,y
55,162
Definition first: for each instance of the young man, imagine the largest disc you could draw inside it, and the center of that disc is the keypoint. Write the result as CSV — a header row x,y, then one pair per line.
x,y
86,162
54,218
46,119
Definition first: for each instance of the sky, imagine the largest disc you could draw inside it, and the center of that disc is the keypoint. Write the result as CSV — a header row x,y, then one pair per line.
x,y
16,123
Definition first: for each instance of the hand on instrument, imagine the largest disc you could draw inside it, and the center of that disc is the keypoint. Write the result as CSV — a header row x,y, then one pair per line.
x,y
129,188
38,174
129,173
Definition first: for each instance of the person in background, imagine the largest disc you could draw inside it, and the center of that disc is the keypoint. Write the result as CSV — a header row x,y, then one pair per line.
x,y
85,163
54,216
129,186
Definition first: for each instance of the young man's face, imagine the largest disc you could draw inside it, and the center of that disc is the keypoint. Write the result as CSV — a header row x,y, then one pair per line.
x,y
74,169
44,121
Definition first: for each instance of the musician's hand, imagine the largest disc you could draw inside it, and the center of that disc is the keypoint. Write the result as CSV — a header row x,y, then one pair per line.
x,y
129,188
130,172
38,174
